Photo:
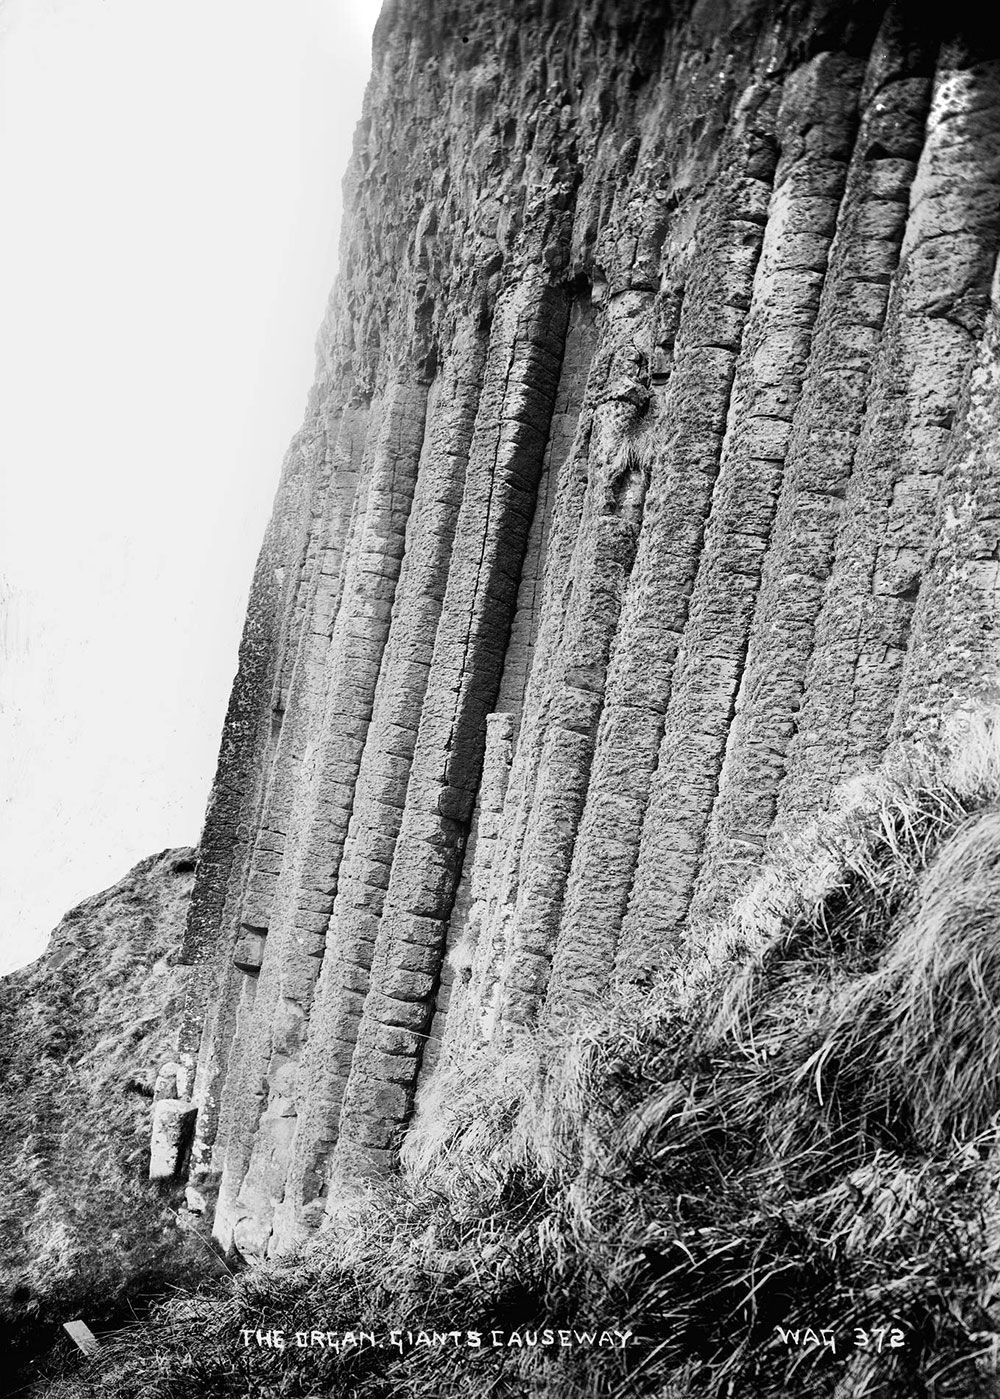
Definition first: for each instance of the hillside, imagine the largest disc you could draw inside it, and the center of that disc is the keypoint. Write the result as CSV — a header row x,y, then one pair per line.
x,y
82,1033
774,1174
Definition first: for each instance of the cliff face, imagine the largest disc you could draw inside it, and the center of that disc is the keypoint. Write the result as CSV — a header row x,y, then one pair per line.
x,y
82,1033
648,489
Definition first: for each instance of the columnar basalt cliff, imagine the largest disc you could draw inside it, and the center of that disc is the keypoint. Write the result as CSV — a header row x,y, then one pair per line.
x,y
649,488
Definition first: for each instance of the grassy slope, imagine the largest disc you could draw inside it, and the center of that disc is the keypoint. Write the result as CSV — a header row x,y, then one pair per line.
x,y
798,1127
82,1032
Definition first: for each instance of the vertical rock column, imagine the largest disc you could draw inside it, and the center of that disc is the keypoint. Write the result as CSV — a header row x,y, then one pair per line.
x,y
519,661
935,317
600,566
566,458
683,443
505,463
238,767
383,776
954,656
234,807
303,690
463,931
820,458
816,126
296,940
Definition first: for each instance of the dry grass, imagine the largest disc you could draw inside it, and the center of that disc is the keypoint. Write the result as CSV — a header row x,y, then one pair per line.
x,y
797,1128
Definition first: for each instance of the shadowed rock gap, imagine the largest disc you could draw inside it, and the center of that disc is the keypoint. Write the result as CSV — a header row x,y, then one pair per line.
x,y
650,455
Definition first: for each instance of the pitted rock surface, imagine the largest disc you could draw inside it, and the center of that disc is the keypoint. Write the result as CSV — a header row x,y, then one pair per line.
x,y
648,489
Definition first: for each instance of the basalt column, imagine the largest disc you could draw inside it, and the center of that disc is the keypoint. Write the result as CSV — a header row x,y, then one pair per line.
x,y
935,316
382,780
824,440
300,688
648,490
815,131
953,661
566,470
261,1095
472,635
296,690
691,377
241,784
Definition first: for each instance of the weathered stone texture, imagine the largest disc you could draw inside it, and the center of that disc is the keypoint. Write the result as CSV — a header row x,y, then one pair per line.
x,y
94,1101
953,660
648,489
173,1123
936,315
819,461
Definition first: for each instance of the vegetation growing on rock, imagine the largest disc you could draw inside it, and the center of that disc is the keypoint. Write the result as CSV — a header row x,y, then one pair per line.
x,y
797,1129
647,490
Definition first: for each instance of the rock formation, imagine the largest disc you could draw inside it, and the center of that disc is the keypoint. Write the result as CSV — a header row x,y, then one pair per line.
x,y
648,489
82,1032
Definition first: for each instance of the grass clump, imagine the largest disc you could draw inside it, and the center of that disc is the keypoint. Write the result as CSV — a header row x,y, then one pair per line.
x,y
778,1170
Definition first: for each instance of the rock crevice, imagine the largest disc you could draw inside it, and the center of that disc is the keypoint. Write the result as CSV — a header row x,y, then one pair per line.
x,y
647,491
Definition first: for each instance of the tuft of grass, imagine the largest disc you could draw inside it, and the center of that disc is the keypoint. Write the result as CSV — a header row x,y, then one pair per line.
x,y
779,1169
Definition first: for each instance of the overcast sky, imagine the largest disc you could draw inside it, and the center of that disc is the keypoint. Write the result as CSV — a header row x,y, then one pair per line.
x,y
170,174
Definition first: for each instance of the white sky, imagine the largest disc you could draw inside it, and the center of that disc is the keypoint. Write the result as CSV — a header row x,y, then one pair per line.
x,y
170,185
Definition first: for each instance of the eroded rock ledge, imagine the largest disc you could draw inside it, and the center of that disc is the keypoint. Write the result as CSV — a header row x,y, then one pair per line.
x,y
656,414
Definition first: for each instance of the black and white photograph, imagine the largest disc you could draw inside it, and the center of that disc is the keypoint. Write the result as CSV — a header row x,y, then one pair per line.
x,y
499,699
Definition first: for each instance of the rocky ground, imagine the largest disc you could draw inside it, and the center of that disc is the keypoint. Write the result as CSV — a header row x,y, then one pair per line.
x,y
82,1032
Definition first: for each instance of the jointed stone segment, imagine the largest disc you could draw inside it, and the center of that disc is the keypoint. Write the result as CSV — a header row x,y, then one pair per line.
x,y
818,465
296,939
451,1001
684,447
647,490
815,132
936,313
377,813
522,374
953,660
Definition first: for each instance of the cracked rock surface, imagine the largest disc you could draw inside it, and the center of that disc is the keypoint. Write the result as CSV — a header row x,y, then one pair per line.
x,y
649,488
